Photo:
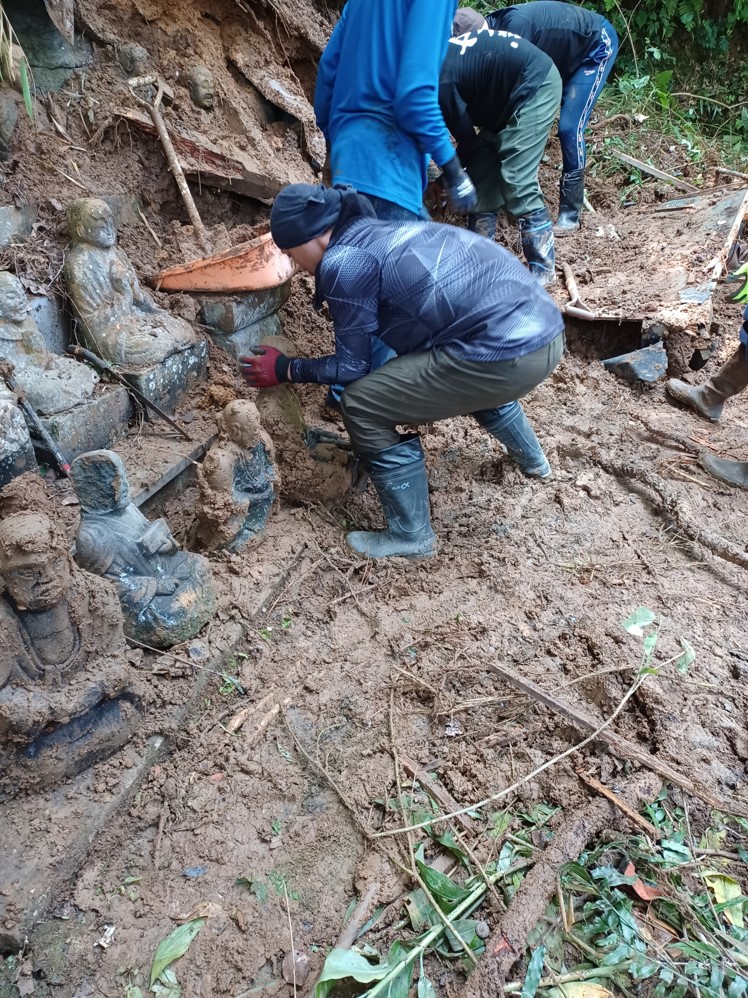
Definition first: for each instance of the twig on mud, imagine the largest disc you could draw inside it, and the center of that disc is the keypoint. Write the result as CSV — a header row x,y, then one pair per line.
x,y
670,505
443,917
438,793
281,584
356,922
160,835
620,803
510,938
290,932
346,580
193,665
238,719
580,975
148,226
323,771
415,679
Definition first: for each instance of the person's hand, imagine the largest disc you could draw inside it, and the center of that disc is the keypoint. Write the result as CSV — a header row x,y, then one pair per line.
x,y
458,187
267,368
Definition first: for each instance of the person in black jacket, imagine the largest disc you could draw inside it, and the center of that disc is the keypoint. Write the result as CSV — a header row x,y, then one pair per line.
x,y
510,91
583,45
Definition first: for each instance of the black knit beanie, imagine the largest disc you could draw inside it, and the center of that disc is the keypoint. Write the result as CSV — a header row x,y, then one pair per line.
x,y
301,212
466,19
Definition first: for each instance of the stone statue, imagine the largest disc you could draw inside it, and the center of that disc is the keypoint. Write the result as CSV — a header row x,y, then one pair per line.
x,y
166,594
120,321
201,87
65,685
238,481
50,383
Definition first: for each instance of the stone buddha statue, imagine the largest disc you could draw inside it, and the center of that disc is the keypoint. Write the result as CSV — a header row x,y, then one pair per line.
x,y
50,383
65,685
166,594
238,481
120,321
201,87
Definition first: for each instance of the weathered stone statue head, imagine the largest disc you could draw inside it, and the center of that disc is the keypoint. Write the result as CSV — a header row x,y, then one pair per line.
x,y
34,567
101,482
201,87
13,304
90,220
240,422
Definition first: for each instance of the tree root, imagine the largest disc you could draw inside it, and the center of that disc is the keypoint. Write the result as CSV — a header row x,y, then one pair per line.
x,y
671,506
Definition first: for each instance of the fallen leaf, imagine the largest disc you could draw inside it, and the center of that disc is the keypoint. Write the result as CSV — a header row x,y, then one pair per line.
x,y
174,946
726,889
642,890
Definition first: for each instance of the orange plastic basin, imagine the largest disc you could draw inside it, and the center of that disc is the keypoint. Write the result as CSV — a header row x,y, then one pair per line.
x,y
251,266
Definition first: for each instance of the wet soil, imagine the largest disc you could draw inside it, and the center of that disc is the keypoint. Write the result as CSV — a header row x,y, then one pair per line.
x,y
362,655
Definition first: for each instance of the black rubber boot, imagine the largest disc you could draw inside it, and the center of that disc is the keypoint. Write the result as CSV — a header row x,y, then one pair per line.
x,y
399,476
571,198
484,223
511,427
732,472
536,230
708,399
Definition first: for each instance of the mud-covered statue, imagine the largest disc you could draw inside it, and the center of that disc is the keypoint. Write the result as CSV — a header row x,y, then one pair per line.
x,y
201,87
50,383
119,320
166,594
66,697
238,481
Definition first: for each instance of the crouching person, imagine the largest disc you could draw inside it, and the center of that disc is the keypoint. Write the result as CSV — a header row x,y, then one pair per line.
x,y
472,329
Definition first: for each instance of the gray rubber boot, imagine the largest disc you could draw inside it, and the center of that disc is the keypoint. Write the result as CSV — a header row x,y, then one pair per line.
x,y
536,232
708,399
399,476
511,427
484,223
571,199
732,472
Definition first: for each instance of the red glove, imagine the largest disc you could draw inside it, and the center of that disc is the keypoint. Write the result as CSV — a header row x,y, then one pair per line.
x,y
267,368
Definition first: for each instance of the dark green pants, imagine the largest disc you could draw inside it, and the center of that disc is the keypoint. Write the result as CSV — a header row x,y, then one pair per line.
x,y
504,166
426,387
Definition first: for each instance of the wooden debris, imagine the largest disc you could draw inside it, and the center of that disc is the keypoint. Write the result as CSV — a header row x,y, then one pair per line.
x,y
617,800
204,163
619,745
509,940
356,922
437,792
731,173
682,185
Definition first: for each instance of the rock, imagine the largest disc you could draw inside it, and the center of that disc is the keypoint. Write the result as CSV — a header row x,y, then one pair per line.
x,y
16,223
16,452
300,962
134,59
52,59
644,366
8,122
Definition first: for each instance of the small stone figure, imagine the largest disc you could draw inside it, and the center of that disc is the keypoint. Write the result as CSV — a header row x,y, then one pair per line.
x,y
50,383
120,321
201,87
134,59
238,481
65,698
166,594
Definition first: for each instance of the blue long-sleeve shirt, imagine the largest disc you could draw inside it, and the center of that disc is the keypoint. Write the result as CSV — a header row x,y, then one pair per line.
x,y
424,286
376,96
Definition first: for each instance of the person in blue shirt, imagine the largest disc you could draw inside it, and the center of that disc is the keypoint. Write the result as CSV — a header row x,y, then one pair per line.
x,y
377,105
472,328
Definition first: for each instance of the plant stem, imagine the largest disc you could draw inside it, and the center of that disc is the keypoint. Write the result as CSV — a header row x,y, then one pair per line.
x,y
581,975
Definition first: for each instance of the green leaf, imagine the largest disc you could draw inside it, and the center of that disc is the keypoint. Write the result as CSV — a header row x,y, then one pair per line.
x,y
425,987
418,909
451,844
728,896
649,644
343,963
640,618
687,658
738,988
447,894
257,887
611,876
26,88
167,986
675,852
534,973
175,946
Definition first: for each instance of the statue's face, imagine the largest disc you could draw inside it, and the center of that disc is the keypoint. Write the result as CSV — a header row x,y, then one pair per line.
x,y
13,304
242,423
37,580
97,226
201,87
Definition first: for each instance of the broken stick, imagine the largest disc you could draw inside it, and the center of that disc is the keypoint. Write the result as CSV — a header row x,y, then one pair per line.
x,y
617,800
618,744
509,940
437,792
654,172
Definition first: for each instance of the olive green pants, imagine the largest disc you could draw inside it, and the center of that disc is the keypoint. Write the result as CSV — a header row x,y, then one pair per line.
x,y
504,166
432,385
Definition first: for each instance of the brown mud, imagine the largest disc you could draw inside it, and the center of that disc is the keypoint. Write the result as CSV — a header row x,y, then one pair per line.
x,y
537,575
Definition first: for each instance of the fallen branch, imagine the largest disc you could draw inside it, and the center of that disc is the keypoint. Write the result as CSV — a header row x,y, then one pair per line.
x,y
618,744
509,940
356,922
671,506
654,172
439,793
593,973
616,799
731,173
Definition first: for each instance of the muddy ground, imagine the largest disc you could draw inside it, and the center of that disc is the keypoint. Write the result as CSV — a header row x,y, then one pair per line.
x,y
361,656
